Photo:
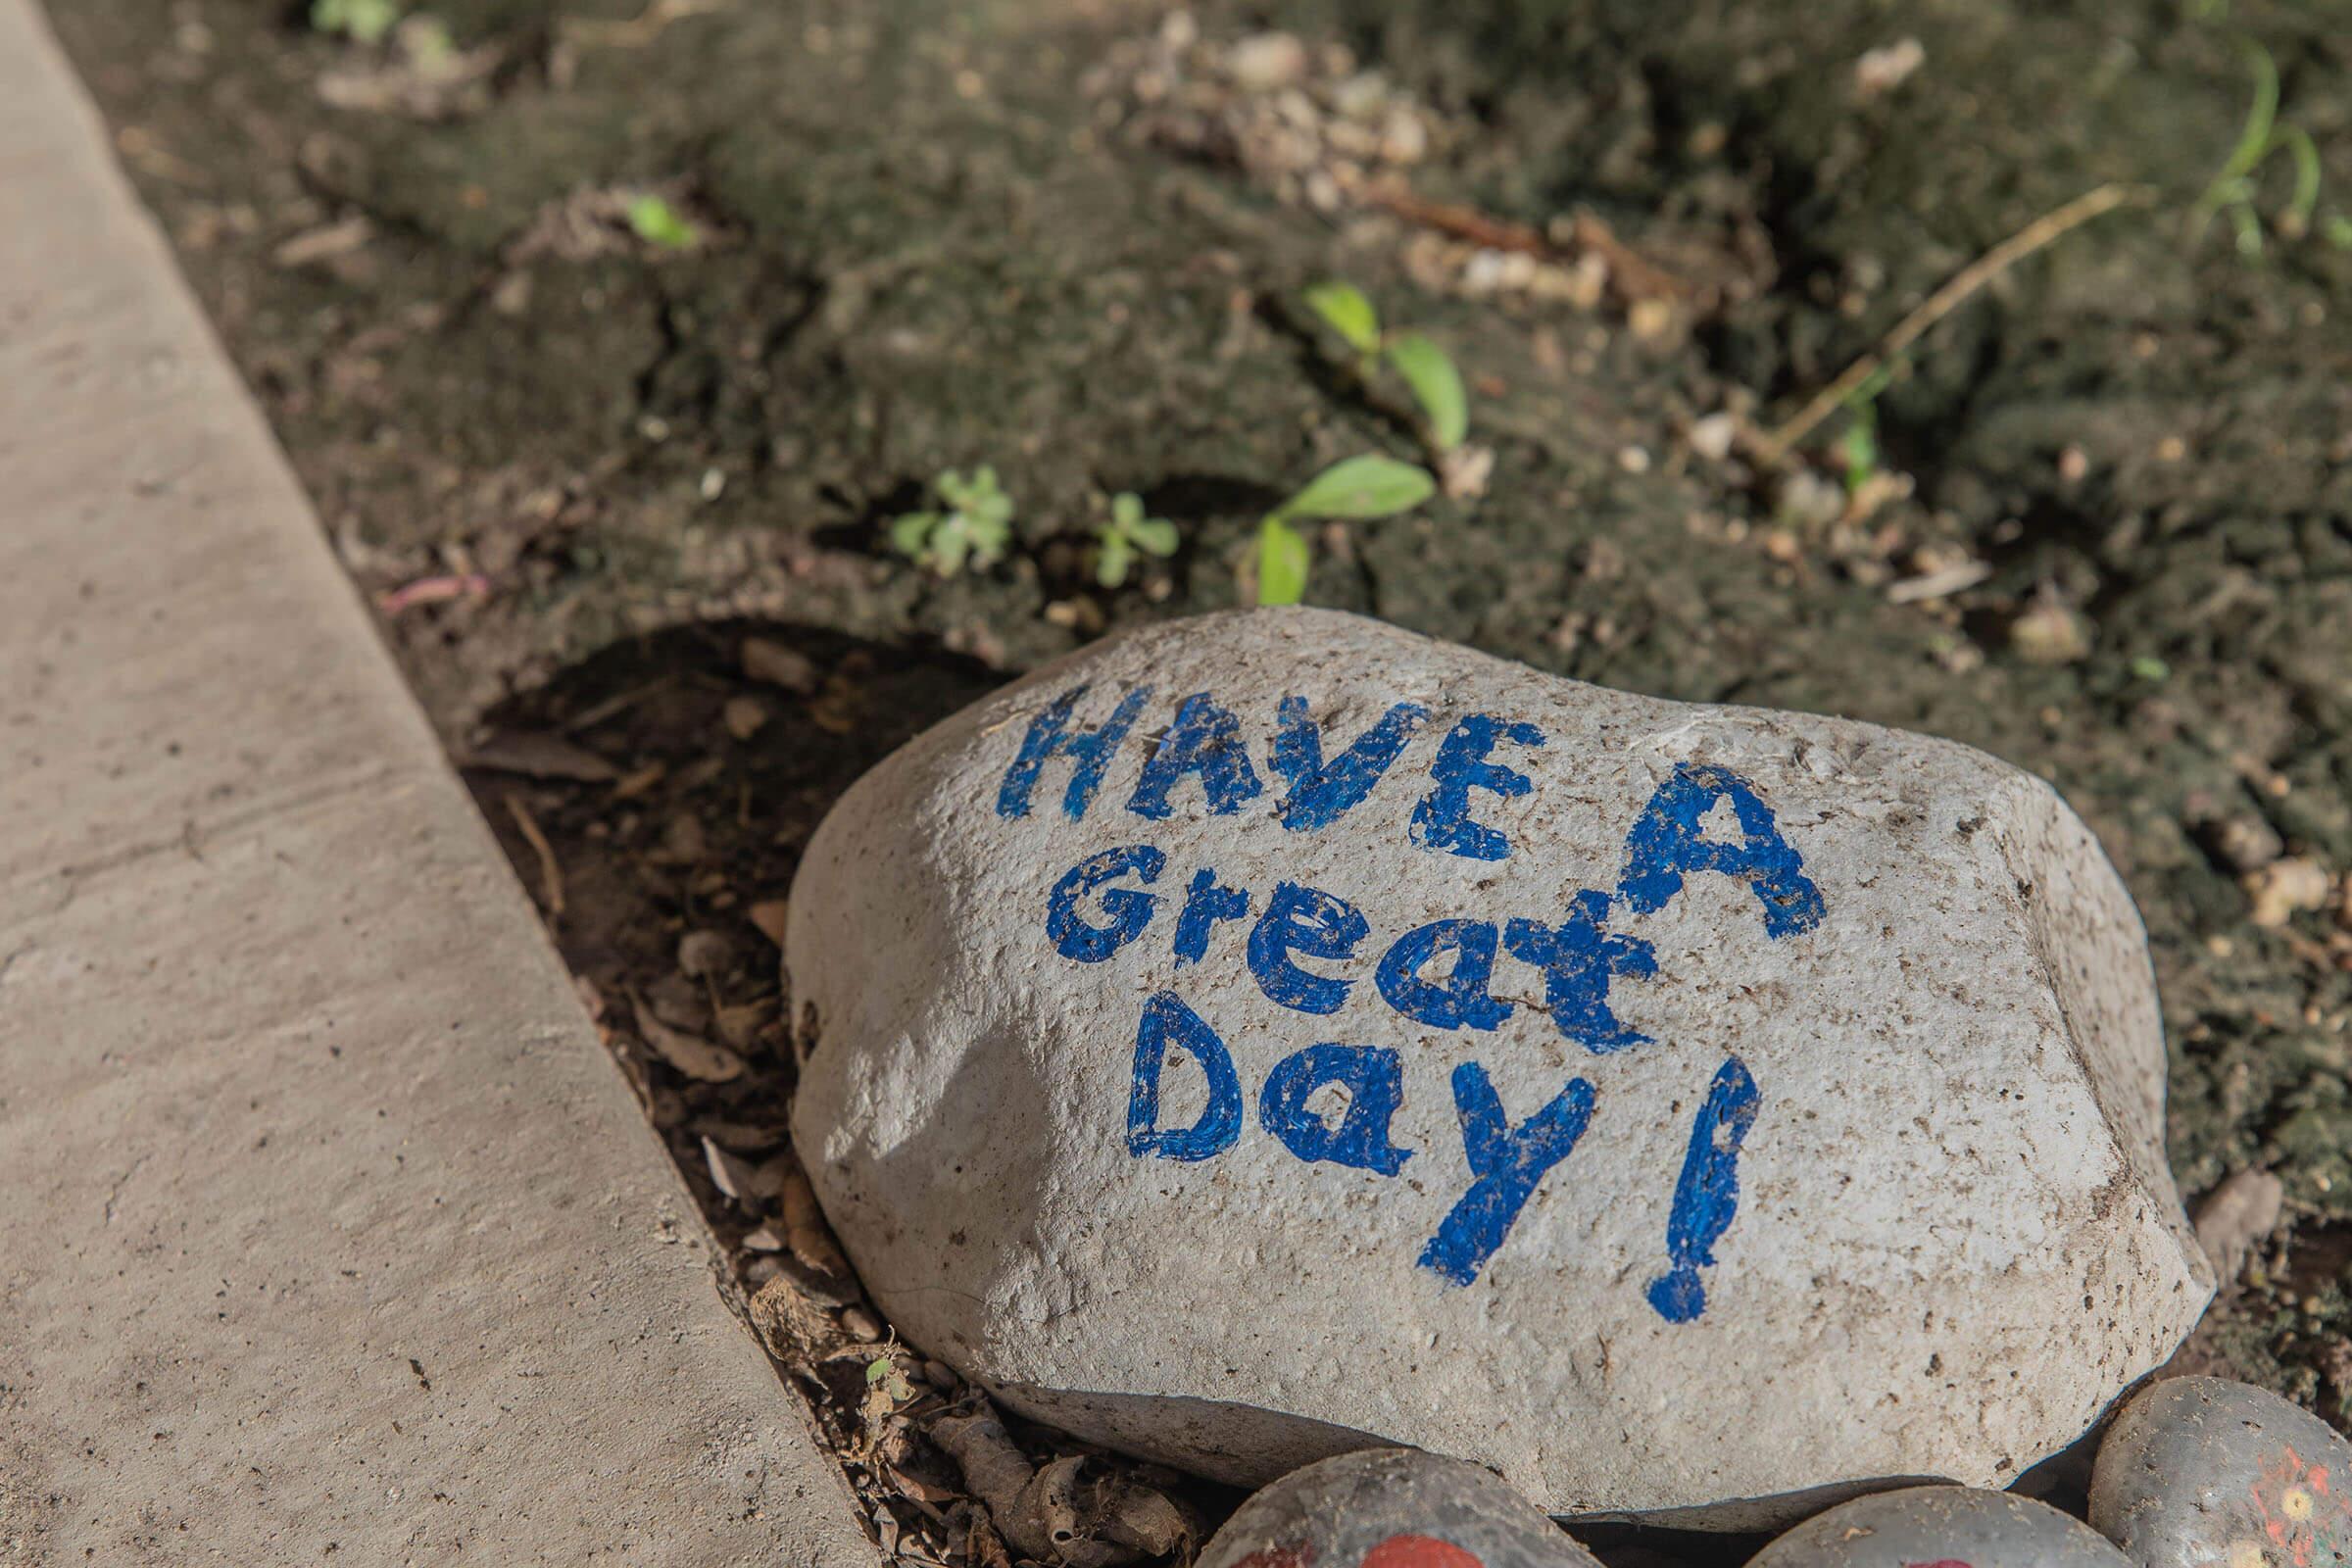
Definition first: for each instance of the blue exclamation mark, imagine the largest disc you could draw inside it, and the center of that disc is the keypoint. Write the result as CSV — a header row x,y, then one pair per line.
x,y
1706,1199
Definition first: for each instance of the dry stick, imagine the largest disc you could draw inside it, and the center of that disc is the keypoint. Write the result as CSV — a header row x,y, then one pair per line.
x,y
1940,304
642,28
551,872
1636,276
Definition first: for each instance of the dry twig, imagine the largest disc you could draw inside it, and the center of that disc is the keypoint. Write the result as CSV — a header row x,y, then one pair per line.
x,y
551,870
1635,277
1975,276
640,30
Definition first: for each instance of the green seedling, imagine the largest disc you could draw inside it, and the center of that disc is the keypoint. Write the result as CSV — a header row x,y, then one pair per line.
x,y
1127,535
2233,189
1858,447
1428,372
971,528
365,22
882,1373
658,224
1358,488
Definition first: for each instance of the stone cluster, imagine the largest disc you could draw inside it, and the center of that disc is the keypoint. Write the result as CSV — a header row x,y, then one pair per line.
x,y
2196,1471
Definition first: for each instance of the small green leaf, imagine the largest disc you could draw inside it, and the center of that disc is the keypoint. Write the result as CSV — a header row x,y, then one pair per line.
x,y
657,223
909,530
2147,666
1347,311
877,1369
1154,536
1113,557
1437,386
1126,510
1367,485
1281,564
364,22
950,543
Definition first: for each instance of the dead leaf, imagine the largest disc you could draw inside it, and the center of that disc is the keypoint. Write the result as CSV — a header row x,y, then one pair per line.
x,y
692,1056
740,1025
769,916
731,1174
539,754
325,244
2234,1216
805,1223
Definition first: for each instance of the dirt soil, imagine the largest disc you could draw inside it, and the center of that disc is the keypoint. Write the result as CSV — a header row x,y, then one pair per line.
x,y
2106,532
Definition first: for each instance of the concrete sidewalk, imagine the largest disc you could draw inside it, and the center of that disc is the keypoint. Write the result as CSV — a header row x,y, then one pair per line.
x,y
327,1229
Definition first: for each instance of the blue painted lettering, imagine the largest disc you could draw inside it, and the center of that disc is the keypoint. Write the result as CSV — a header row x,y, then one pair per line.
x,y
1373,1079
1506,1162
1666,843
1579,960
1129,910
1319,792
1050,737
1442,820
1309,921
1203,740
1706,1199
1204,905
1458,1000
1168,1022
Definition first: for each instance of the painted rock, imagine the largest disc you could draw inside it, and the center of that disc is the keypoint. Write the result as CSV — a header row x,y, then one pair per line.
x,y
1274,1033
1941,1527
2200,1471
1392,1508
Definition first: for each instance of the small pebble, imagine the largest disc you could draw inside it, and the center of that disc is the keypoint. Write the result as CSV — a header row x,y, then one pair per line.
x,y
1712,437
778,665
744,717
1266,61
2207,1471
2245,842
2286,887
705,954
1941,1527
1392,1508
859,1324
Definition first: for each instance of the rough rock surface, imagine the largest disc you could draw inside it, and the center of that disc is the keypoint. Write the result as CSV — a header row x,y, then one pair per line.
x,y
1272,1033
1392,1508
1941,1527
2206,1471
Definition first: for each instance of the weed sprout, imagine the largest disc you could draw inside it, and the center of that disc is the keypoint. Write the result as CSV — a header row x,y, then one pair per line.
x,y
1127,534
2233,189
1362,487
970,526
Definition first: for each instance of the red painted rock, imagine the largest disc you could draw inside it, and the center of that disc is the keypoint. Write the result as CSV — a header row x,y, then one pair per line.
x,y
1392,1508
1941,1527
2201,1471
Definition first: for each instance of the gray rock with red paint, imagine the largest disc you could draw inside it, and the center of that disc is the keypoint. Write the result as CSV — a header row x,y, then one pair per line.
x,y
1392,1508
2199,1471
1941,1526
1275,1034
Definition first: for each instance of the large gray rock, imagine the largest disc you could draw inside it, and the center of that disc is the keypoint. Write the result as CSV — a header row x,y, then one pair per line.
x,y
1392,1508
1272,1033
2200,1471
